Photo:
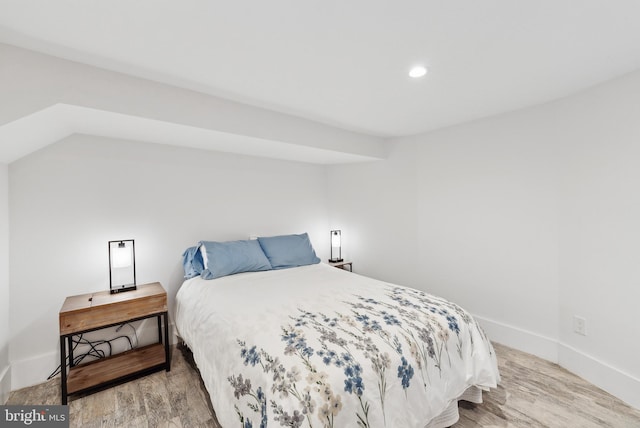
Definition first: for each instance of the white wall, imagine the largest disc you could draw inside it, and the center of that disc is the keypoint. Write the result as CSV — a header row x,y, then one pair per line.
x,y
69,199
600,234
466,213
374,204
526,219
488,226
5,372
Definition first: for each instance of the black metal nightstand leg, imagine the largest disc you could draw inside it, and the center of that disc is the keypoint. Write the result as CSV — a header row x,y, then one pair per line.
x,y
166,341
70,346
63,369
159,318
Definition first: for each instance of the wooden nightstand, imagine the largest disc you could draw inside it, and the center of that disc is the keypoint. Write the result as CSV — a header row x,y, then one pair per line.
x,y
94,311
342,265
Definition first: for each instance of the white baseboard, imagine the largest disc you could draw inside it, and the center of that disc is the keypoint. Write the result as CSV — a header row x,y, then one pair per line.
x,y
518,338
5,384
35,370
616,382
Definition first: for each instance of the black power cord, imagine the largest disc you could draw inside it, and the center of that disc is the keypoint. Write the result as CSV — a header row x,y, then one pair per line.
x,y
93,351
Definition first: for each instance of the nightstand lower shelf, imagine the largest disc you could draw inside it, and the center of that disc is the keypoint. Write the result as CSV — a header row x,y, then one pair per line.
x,y
115,368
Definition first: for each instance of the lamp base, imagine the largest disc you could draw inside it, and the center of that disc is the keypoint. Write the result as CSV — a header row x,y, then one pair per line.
x,y
335,260
122,289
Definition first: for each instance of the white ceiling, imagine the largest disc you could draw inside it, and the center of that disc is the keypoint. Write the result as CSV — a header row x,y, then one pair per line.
x,y
345,63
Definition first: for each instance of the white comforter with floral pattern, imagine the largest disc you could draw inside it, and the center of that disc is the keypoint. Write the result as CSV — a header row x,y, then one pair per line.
x,y
316,346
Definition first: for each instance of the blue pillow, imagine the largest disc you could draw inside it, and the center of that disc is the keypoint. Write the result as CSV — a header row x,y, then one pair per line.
x,y
192,262
288,251
227,258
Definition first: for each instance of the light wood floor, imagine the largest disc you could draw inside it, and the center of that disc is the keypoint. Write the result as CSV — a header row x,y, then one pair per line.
x,y
533,393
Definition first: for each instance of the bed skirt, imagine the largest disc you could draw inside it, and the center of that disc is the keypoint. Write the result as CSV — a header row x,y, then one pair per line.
x,y
450,415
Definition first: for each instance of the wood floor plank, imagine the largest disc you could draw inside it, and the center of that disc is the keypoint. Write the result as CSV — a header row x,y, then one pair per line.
x,y
129,403
534,393
172,423
156,398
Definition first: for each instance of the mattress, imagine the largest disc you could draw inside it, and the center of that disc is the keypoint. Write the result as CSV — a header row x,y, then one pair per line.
x,y
316,346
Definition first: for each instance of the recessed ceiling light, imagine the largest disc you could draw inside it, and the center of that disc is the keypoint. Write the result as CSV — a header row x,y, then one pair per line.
x,y
417,71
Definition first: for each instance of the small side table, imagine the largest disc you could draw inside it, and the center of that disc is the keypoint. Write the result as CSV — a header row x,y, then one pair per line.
x,y
342,265
95,311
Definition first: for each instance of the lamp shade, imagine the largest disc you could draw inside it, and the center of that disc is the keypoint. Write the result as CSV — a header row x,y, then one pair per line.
x,y
121,256
336,246
336,237
122,265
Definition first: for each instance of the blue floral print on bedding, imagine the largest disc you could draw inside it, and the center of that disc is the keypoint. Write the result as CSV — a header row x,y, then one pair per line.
x,y
395,341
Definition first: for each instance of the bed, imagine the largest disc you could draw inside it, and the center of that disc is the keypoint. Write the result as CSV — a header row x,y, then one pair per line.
x,y
316,346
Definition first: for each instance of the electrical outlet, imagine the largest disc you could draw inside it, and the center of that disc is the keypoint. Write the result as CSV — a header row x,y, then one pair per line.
x,y
579,325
